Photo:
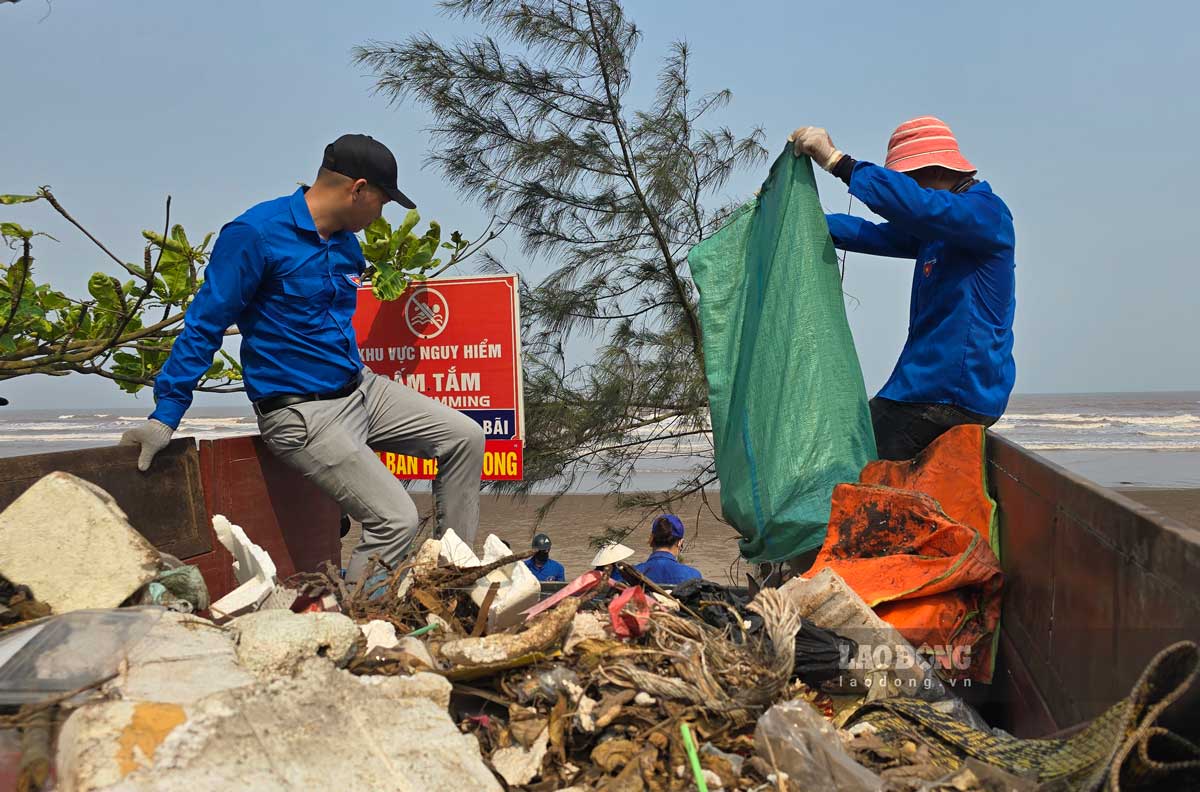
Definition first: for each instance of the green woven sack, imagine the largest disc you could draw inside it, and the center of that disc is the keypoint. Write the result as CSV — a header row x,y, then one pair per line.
x,y
789,408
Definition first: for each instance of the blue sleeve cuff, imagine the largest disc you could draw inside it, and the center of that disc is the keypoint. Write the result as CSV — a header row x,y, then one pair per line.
x,y
169,413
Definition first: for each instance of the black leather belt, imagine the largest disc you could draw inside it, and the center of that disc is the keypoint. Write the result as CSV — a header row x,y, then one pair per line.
x,y
273,403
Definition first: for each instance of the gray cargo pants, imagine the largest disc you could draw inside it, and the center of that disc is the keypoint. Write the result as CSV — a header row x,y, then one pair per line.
x,y
331,443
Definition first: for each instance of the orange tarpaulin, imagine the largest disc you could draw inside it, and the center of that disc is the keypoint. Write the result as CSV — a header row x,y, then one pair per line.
x,y
915,540
951,471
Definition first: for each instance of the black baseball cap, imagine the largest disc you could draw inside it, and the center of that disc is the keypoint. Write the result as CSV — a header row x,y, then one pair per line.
x,y
364,157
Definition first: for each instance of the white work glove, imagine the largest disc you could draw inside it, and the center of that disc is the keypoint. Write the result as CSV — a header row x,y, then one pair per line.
x,y
816,143
152,436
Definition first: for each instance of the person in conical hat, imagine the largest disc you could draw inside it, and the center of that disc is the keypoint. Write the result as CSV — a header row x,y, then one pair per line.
x,y
610,553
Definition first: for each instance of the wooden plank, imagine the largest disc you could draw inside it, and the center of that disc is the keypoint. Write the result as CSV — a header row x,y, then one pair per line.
x,y
165,504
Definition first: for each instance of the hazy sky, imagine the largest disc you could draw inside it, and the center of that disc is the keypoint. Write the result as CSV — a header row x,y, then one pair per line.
x,y
1081,115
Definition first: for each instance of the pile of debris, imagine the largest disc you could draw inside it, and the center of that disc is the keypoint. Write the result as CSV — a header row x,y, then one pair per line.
x,y
451,671
590,687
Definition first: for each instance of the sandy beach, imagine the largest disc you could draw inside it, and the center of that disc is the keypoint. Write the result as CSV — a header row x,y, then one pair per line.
x,y
712,545
1179,504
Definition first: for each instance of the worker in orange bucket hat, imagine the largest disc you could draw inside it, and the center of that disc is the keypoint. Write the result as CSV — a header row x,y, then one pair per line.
x,y
957,364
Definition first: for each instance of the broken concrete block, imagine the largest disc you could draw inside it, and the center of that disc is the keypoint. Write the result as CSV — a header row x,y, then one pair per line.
x,y
422,685
179,660
70,543
253,568
100,744
324,727
274,643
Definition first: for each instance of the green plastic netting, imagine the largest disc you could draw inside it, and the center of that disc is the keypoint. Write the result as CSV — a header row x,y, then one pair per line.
x,y
789,408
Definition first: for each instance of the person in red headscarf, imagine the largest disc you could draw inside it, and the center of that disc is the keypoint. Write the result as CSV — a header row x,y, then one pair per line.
x,y
957,364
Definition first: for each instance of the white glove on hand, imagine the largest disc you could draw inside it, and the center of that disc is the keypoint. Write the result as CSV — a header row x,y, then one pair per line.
x,y
152,436
816,143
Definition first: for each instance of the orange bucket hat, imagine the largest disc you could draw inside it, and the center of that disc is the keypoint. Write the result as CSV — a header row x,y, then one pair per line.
x,y
923,142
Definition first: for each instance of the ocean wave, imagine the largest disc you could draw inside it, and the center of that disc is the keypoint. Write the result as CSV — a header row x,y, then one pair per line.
x,y
1082,420
1109,445
104,437
46,426
1003,424
65,417
241,420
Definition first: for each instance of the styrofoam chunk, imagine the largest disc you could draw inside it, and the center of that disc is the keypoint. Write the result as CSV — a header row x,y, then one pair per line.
x,y
456,552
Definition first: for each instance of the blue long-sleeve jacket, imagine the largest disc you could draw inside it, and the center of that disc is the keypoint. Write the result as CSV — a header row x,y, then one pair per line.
x,y
664,569
292,295
960,336
550,571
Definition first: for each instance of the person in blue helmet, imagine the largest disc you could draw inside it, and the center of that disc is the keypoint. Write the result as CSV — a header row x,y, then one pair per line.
x,y
666,543
543,567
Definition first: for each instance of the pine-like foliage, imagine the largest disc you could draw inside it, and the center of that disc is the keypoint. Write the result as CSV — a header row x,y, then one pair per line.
x,y
533,120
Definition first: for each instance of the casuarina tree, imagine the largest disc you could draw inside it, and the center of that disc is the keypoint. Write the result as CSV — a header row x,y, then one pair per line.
x,y
535,119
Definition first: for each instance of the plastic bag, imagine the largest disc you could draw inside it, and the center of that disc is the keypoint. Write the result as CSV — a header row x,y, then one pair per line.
x,y
786,393
796,739
68,652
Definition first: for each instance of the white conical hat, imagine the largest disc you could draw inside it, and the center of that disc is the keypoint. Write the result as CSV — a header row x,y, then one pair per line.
x,y
611,553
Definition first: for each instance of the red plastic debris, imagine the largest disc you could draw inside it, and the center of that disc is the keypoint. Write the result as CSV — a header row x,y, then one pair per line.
x,y
582,584
324,604
630,612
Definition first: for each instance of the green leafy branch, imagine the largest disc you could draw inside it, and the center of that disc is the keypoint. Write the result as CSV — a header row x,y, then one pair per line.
x,y
396,257
125,328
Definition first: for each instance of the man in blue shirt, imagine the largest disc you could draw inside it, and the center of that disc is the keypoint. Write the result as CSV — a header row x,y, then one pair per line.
x,y
286,272
541,564
957,365
666,543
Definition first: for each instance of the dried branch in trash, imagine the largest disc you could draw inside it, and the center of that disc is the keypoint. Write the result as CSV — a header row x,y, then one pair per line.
x,y
452,577
543,632
484,609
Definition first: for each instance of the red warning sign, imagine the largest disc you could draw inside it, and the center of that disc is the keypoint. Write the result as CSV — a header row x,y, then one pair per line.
x,y
456,340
